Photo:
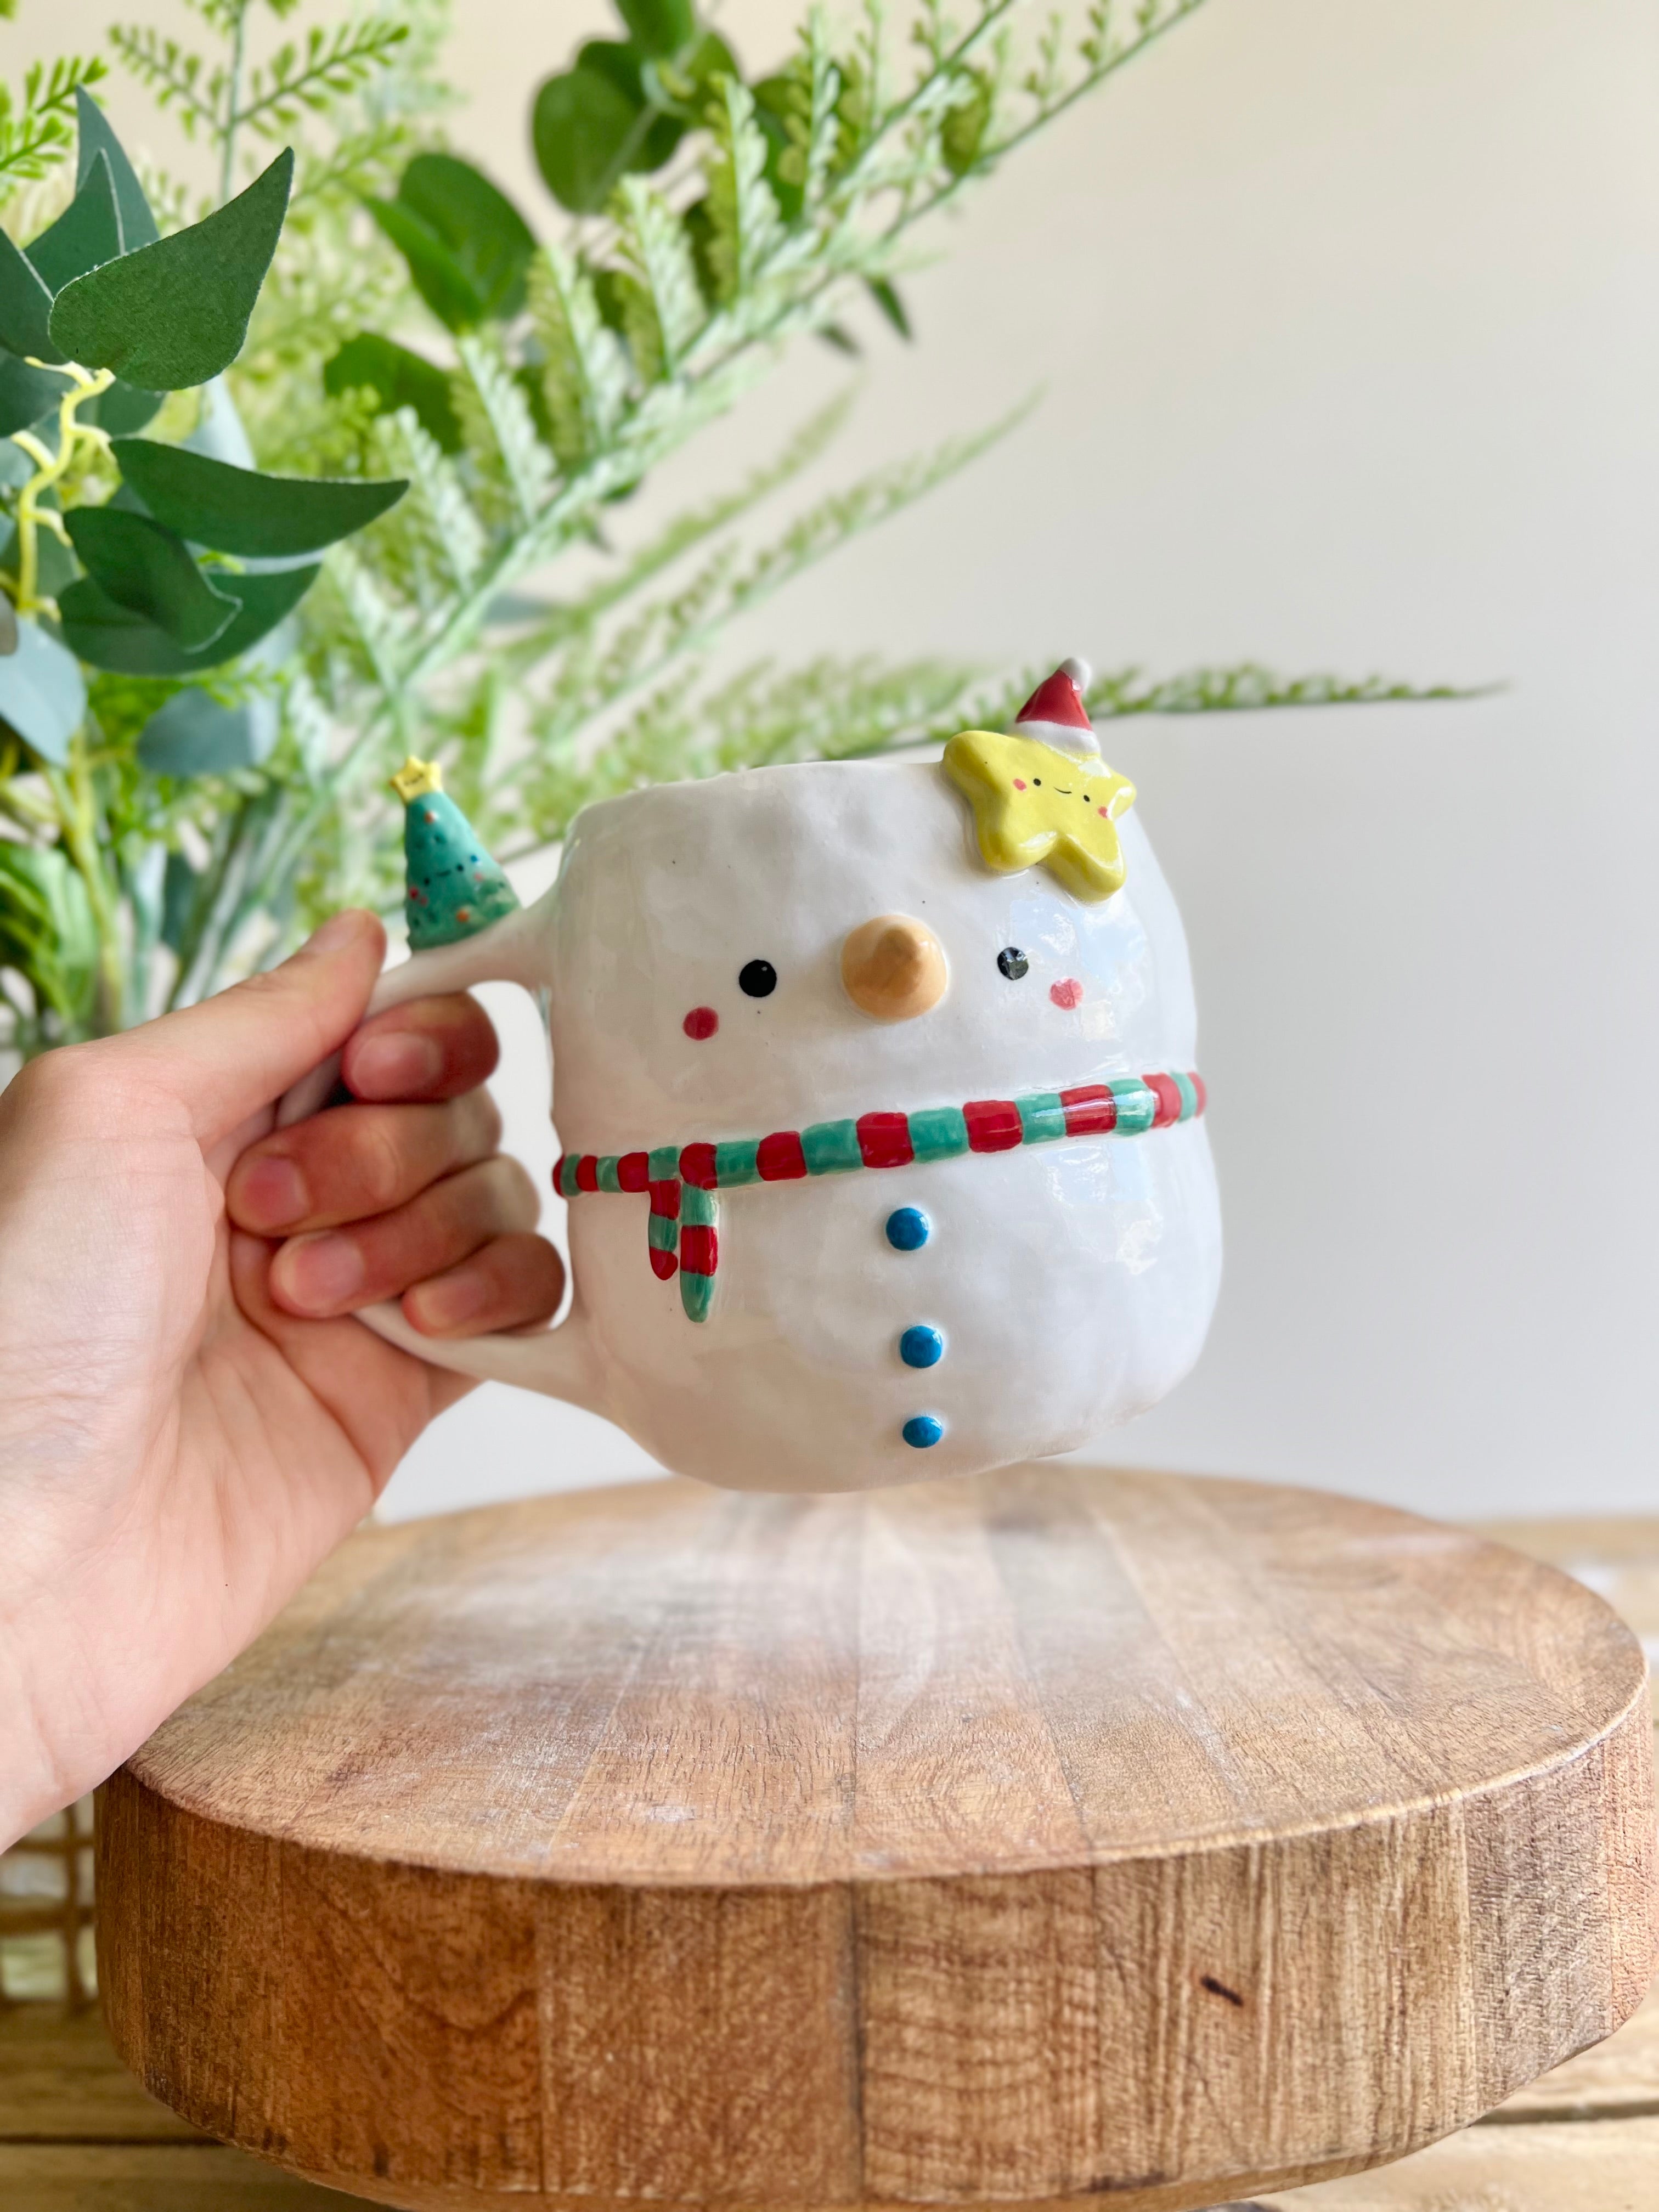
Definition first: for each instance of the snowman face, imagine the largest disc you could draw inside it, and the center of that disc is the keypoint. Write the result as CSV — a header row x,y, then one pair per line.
x,y
699,960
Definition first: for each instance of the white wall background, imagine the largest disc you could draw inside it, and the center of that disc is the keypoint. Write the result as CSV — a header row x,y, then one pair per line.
x,y
1347,322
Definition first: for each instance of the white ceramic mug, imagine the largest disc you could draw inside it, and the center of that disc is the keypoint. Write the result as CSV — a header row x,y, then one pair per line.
x,y
711,978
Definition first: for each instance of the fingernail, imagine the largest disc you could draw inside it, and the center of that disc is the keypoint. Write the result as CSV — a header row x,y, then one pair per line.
x,y
337,932
449,1300
320,1274
389,1067
270,1192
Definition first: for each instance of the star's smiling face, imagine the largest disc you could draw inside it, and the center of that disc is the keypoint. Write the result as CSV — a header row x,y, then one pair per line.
x,y
786,945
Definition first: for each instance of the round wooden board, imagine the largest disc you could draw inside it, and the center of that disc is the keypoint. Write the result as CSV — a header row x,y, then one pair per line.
x,y
1065,1834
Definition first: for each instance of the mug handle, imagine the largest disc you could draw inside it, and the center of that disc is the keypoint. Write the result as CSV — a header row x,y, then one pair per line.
x,y
560,1362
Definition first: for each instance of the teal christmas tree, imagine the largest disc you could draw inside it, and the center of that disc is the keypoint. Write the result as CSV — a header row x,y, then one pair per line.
x,y
454,888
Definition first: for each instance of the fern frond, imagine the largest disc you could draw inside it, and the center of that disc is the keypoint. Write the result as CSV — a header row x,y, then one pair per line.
x,y
433,543
173,76
742,216
681,535
37,130
499,433
331,67
654,252
584,376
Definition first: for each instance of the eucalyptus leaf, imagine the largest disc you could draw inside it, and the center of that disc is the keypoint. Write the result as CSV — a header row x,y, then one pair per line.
x,y
147,570
585,130
480,226
122,410
240,511
660,28
97,137
176,313
437,275
196,734
26,394
25,306
87,234
181,886
55,564
625,66
110,636
43,694
398,378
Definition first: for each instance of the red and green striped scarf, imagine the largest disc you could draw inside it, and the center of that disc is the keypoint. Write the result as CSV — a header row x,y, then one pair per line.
x,y
682,1179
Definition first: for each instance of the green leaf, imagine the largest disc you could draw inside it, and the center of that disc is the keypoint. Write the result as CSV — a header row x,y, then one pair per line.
x,y
26,394
661,27
55,563
122,410
43,694
438,276
146,569
110,636
882,292
625,66
480,226
25,305
46,928
398,378
7,627
585,130
240,511
180,885
97,137
176,313
86,234
466,244
196,734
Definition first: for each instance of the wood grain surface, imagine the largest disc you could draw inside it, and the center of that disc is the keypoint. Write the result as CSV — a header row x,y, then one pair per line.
x,y
1065,1834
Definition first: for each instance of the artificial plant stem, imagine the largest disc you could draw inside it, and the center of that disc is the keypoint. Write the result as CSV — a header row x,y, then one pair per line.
x,y
233,101
50,469
76,799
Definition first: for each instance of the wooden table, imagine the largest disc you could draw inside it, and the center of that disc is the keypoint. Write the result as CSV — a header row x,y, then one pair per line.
x,y
75,2132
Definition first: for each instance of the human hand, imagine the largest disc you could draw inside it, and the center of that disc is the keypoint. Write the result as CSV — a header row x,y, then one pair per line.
x,y
188,1420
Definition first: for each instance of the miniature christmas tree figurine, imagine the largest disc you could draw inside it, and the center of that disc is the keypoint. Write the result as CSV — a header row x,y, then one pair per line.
x,y
454,888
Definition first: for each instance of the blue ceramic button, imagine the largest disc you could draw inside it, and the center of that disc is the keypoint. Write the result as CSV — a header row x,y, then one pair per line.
x,y
908,1230
922,1430
921,1347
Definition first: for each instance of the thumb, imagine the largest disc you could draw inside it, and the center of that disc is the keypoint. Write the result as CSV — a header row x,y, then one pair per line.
x,y
233,1055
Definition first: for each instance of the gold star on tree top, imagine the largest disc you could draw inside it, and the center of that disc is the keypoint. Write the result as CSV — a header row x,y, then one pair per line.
x,y
1033,807
416,778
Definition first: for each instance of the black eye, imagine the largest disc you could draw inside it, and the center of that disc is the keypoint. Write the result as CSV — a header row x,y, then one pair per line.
x,y
1037,781
757,978
1012,962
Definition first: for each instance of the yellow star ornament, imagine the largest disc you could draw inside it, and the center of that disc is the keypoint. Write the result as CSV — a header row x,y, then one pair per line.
x,y
1034,805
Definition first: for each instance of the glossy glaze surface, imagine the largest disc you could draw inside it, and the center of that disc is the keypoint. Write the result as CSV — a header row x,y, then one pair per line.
x,y
1071,1285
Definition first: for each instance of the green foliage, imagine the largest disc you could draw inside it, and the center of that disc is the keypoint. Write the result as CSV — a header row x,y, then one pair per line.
x,y
179,800
175,314
35,127
240,511
467,245
149,572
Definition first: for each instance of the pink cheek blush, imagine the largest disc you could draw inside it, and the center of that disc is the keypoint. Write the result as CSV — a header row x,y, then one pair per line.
x,y
701,1023
1068,993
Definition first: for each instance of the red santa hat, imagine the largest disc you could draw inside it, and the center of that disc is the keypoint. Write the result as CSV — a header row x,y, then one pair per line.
x,y
1055,713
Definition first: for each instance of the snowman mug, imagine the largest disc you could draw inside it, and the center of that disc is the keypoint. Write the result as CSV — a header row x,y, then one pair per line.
x,y
882,1146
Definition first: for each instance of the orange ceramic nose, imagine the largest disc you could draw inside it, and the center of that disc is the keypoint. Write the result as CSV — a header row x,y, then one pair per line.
x,y
893,968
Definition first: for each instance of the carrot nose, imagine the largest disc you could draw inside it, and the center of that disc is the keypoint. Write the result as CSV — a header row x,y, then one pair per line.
x,y
893,968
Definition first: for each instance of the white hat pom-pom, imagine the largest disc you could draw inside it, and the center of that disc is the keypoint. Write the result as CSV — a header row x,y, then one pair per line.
x,y
1078,670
